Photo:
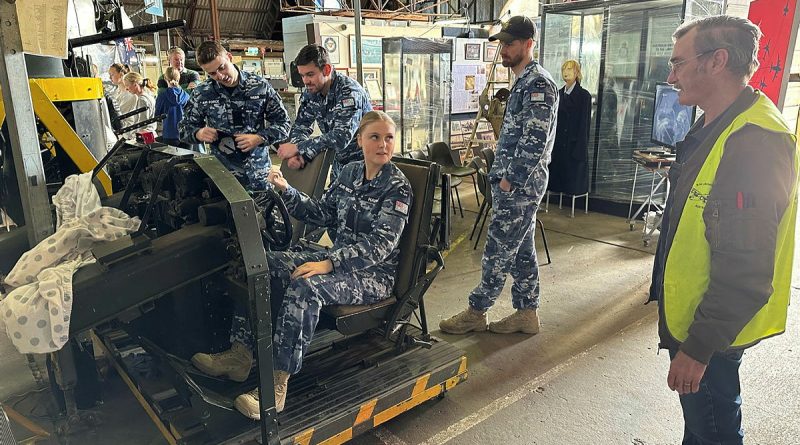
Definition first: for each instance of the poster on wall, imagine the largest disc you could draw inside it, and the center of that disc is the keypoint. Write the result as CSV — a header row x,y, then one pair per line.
x,y
776,19
331,43
489,51
371,51
467,84
622,58
472,51
659,47
43,27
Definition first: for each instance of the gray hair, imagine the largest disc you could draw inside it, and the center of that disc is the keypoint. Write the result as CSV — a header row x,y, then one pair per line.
x,y
176,50
736,35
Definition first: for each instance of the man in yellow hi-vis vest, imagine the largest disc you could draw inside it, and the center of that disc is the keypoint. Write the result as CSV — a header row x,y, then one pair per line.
x,y
722,270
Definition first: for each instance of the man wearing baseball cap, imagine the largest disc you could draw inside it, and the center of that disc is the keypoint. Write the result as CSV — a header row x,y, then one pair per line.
x,y
518,180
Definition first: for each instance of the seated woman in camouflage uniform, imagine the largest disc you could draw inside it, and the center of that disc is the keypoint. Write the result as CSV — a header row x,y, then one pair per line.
x,y
368,206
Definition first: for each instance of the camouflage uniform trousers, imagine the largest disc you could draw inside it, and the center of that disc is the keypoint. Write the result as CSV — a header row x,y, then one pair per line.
x,y
303,300
509,249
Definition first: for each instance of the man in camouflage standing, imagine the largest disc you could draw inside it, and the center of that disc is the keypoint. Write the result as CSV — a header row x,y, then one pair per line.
x,y
238,113
518,181
332,100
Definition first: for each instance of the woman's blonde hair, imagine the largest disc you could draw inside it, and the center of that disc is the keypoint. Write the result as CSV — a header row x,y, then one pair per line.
x,y
133,77
172,75
575,66
375,116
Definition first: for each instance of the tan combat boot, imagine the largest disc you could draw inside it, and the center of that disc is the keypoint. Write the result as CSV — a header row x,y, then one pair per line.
x,y
235,363
247,403
466,321
523,320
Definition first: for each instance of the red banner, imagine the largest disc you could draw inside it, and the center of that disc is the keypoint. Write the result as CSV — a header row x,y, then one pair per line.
x,y
775,18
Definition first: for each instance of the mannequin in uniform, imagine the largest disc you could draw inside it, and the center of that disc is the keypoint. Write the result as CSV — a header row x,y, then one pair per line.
x,y
569,171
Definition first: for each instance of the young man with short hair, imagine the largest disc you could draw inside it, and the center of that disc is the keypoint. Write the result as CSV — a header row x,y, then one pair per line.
x,y
335,102
518,180
237,113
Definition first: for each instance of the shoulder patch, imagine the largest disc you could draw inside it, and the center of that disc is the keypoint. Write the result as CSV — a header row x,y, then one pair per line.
x,y
537,97
540,83
349,102
400,206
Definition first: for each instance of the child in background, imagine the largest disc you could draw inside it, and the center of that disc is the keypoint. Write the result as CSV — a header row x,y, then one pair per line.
x,y
170,102
143,89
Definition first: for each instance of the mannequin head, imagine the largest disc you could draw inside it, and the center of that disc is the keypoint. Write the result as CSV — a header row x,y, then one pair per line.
x,y
571,72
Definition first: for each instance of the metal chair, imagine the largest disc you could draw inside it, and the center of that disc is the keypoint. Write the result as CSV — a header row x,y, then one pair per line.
x,y
440,153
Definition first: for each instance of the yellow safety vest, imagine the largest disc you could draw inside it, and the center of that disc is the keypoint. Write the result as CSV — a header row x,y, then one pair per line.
x,y
688,266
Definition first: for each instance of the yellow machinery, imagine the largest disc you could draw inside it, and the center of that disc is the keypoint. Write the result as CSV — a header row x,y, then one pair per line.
x,y
44,94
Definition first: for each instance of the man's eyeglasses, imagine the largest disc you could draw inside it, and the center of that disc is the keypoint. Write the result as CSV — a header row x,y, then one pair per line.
x,y
675,65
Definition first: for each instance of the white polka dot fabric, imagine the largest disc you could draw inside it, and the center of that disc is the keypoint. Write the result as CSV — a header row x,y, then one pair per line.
x,y
37,310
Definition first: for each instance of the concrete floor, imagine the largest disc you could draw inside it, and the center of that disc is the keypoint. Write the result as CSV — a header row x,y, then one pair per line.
x,y
592,375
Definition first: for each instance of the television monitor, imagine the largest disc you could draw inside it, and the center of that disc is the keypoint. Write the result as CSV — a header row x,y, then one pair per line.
x,y
671,120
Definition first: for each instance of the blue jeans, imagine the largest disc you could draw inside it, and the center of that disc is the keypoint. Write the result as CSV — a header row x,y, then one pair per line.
x,y
713,415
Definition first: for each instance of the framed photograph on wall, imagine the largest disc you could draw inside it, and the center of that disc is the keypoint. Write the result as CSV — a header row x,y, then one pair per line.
x,y
372,74
489,51
331,43
371,51
472,51
373,87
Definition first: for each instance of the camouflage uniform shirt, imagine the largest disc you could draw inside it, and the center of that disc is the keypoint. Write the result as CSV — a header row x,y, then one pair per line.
x,y
369,217
338,114
522,154
528,133
251,107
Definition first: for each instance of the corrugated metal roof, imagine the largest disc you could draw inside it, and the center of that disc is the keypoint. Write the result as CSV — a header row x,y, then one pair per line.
x,y
237,18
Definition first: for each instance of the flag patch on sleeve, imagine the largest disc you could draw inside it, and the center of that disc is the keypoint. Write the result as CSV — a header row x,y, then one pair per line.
x,y
400,206
349,102
537,97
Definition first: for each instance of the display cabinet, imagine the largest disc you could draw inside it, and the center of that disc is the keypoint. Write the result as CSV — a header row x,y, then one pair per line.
x,y
623,47
416,90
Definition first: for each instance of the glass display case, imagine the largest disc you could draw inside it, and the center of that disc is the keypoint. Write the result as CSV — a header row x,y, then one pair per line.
x,y
416,90
623,47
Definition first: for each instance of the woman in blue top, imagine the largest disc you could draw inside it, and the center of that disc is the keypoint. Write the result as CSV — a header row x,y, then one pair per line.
x,y
170,102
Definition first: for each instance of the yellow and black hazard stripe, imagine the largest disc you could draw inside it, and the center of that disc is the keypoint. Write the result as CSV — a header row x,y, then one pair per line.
x,y
379,410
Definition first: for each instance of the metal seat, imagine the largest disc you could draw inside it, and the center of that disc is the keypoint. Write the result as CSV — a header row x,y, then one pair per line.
x,y
309,180
440,154
412,280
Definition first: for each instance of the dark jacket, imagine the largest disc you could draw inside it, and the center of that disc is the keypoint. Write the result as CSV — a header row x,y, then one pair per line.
x,y
569,172
171,102
758,164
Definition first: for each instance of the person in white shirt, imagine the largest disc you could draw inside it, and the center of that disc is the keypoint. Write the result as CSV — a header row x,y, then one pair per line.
x,y
144,92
